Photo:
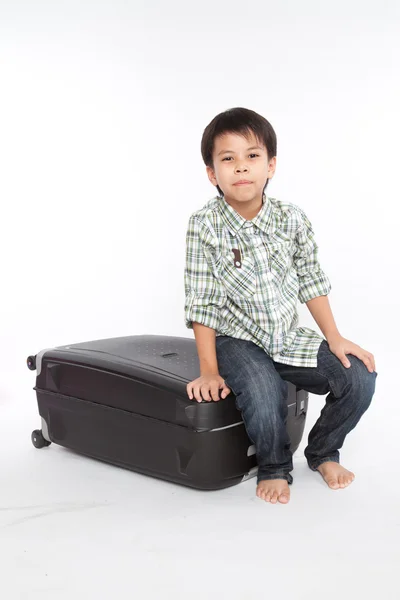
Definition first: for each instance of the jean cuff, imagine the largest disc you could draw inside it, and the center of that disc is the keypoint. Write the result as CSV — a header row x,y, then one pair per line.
x,y
279,475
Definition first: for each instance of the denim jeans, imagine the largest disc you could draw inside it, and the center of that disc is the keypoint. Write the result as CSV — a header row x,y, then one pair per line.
x,y
260,386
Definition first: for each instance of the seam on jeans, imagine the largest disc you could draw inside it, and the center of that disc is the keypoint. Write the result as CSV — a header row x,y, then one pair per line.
x,y
234,393
241,411
236,403
323,374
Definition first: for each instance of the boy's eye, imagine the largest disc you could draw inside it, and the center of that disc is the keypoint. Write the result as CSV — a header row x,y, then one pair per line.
x,y
252,154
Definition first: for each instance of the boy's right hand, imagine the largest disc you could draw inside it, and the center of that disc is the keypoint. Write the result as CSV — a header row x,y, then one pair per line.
x,y
208,386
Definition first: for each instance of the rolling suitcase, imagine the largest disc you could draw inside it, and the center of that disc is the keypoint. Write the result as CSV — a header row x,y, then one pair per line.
x,y
124,401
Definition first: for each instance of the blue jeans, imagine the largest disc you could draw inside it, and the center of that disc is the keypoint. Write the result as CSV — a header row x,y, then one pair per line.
x,y
260,386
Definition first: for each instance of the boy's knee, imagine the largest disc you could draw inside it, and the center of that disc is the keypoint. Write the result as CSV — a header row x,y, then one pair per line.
x,y
361,379
369,380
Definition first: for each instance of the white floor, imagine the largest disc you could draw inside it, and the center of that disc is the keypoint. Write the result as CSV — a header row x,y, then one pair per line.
x,y
73,527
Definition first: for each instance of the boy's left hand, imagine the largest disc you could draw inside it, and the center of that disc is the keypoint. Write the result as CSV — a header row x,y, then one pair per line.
x,y
340,347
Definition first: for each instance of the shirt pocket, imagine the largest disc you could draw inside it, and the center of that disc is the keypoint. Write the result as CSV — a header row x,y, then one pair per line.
x,y
281,258
239,281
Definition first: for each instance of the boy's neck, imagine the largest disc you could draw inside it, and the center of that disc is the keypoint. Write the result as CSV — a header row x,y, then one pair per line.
x,y
249,213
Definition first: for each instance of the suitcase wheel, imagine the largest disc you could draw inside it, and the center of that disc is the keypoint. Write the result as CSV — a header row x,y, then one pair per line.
x,y
31,362
38,440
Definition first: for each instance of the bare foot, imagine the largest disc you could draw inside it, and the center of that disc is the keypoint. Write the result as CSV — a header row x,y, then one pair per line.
x,y
335,475
272,490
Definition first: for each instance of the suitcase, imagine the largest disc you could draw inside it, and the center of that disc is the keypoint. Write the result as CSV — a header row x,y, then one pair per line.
x,y
124,401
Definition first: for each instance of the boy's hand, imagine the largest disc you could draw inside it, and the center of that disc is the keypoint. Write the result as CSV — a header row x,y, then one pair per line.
x,y
207,384
340,347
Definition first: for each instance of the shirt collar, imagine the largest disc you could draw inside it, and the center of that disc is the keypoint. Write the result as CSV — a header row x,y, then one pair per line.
x,y
234,221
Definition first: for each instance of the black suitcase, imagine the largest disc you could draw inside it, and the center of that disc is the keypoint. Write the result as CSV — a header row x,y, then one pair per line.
x,y
124,401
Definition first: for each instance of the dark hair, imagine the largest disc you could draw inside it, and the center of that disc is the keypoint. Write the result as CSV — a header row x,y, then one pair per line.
x,y
242,121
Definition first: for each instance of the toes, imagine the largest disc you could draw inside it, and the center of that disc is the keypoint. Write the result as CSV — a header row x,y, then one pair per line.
x,y
268,495
338,479
263,493
272,495
345,480
341,482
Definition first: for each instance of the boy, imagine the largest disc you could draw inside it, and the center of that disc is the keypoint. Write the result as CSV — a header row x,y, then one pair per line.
x,y
249,258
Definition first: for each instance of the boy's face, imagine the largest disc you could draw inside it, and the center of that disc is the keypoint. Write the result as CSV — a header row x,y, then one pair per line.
x,y
236,158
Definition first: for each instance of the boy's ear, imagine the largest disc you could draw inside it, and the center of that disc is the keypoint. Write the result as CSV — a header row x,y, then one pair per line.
x,y
211,176
271,167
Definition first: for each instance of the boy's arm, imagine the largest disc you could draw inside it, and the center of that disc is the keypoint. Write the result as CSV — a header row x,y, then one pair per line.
x,y
321,311
204,295
314,285
206,349
313,282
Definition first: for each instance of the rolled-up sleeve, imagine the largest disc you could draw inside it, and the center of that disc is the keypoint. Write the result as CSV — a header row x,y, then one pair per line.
x,y
204,295
313,282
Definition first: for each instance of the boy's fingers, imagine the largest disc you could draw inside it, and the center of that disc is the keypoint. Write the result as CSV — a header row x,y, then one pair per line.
x,y
205,392
369,363
197,394
345,361
214,394
371,360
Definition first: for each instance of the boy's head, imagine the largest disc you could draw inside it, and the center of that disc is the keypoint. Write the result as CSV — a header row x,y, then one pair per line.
x,y
227,150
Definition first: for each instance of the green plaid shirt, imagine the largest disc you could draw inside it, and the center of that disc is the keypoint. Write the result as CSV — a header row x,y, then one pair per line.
x,y
244,278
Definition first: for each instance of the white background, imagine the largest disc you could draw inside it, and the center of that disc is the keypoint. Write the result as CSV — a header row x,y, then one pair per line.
x,y
102,109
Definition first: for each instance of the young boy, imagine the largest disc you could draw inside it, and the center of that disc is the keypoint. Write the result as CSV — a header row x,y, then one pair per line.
x,y
249,258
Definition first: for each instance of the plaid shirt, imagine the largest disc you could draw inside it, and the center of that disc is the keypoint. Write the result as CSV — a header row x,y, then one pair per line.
x,y
244,278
